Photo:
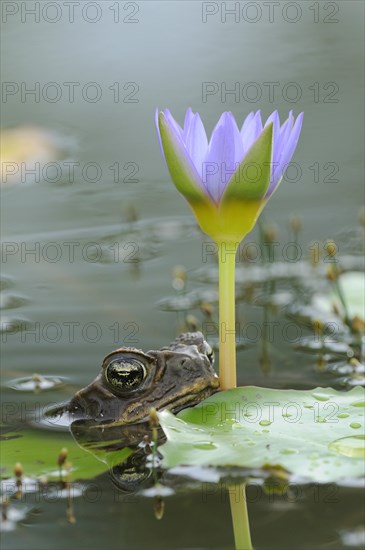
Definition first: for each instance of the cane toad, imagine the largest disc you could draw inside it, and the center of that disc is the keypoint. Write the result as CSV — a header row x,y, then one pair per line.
x,y
132,382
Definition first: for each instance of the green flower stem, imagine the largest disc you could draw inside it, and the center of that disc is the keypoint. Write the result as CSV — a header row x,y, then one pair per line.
x,y
227,328
241,526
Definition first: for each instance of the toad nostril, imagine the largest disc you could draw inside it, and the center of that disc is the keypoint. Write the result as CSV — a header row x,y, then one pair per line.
x,y
84,407
178,367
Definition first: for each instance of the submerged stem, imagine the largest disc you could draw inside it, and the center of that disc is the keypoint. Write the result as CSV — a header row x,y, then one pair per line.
x,y
227,328
241,526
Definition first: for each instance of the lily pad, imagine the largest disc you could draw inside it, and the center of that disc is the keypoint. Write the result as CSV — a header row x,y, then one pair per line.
x,y
317,434
38,451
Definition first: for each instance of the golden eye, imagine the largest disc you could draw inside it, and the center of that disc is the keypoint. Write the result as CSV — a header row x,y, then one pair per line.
x,y
125,375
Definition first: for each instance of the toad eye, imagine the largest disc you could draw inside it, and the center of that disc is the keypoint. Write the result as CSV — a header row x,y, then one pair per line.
x,y
125,376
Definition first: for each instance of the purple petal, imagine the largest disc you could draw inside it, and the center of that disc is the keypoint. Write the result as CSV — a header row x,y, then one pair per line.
x,y
251,131
274,117
187,121
220,162
289,147
286,153
238,144
285,132
246,122
196,142
172,122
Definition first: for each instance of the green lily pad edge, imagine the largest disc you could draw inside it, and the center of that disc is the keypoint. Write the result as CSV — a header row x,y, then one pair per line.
x,y
317,435
37,450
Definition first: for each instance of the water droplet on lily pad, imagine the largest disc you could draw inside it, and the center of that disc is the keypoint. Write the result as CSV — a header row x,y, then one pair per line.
x,y
355,425
353,446
205,446
264,422
320,396
236,426
343,415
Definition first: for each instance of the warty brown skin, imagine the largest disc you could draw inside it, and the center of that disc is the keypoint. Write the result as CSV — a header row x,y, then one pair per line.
x,y
178,376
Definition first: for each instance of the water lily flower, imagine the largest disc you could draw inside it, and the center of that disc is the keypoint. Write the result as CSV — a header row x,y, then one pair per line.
x,y
228,180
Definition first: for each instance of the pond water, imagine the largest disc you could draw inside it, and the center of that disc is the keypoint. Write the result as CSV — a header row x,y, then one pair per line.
x,y
91,241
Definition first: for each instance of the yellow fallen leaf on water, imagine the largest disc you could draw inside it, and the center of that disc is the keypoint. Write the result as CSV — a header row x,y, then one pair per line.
x,y
21,148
